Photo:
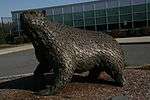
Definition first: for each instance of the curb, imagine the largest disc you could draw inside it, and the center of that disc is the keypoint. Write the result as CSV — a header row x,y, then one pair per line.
x,y
15,76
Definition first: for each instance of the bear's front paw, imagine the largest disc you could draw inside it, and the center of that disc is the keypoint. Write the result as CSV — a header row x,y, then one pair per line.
x,y
120,80
47,92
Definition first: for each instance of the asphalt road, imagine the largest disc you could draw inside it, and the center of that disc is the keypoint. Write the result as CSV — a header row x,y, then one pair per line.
x,y
137,54
17,63
25,62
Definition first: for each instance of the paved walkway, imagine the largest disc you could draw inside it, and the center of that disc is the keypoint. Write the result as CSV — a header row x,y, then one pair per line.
x,y
145,39
16,49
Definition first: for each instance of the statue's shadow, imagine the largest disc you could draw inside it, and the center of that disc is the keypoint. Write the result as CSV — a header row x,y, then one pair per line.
x,y
33,83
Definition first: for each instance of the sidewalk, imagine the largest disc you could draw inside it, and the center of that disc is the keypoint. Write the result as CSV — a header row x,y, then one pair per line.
x,y
16,49
134,40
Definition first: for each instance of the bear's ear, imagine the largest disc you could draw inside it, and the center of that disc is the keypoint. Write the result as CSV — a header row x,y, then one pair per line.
x,y
44,13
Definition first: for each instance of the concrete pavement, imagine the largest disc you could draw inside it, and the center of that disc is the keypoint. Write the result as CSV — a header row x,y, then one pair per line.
x,y
16,63
133,40
16,49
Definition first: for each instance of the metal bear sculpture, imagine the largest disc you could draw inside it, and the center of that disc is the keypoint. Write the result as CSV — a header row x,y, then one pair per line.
x,y
67,50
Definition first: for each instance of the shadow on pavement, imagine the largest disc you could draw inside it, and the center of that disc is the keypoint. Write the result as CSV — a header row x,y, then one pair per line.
x,y
38,83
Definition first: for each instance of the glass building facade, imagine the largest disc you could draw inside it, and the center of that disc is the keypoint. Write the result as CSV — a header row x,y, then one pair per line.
x,y
101,15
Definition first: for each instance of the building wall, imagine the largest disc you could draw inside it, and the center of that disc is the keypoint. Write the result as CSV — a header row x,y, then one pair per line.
x,y
100,15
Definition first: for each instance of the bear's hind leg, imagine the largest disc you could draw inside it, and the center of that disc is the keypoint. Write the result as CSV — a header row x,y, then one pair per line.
x,y
115,71
94,73
43,67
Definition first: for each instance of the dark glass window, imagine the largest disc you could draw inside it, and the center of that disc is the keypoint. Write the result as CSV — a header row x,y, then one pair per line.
x,y
58,18
125,10
139,16
78,23
113,19
67,9
113,12
139,8
125,18
88,6
100,5
57,11
89,22
89,14
100,20
78,15
125,3
78,8
100,13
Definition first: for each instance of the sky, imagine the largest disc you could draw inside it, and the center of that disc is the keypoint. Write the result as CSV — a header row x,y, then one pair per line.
x,y
6,6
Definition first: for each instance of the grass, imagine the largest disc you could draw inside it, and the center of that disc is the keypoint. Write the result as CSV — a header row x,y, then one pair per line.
x,y
3,46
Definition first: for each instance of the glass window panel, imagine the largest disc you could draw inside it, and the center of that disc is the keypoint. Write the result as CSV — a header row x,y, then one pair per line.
x,y
89,21
149,7
125,10
18,15
101,27
68,17
92,28
50,17
125,18
69,22
99,13
78,23
78,15
100,21
67,9
113,12
126,25
149,15
113,27
125,2
113,19
112,3
58,18
139,16
148,1
139,8
137,2
57,11
100,5
14,16
49,11
139,24
78,8
88,7
89,14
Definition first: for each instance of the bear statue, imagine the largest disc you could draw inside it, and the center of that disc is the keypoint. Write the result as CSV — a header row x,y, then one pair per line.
x,y
67,50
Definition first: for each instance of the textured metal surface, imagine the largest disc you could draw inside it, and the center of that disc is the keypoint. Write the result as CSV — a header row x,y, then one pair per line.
x,y
67,50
